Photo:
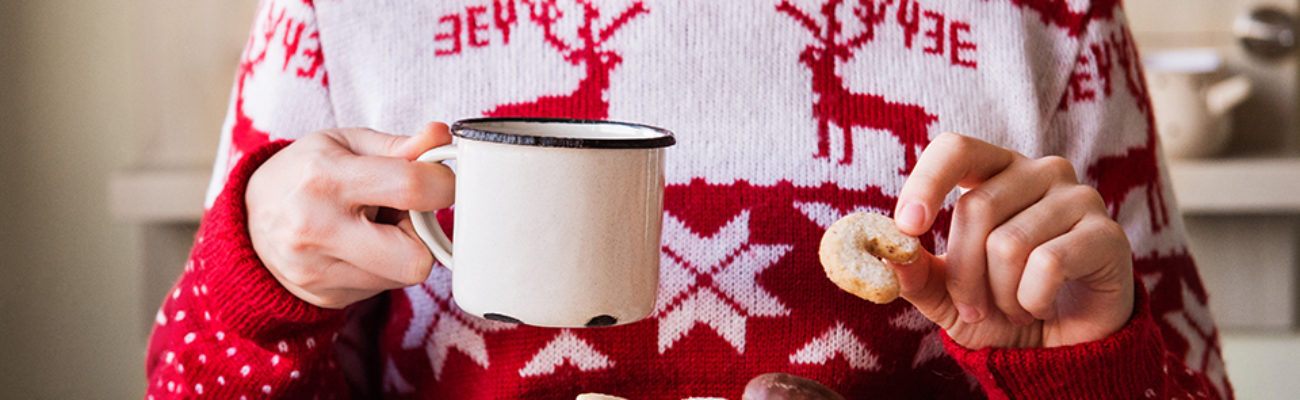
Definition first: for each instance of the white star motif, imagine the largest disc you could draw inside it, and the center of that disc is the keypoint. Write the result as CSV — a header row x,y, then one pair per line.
x,y
1195,324
393,381
450,333
824,215
1217,372
911,319
931,349
1149,281
439,326
931,346
566,348
705,307
837,341
423,311
712,281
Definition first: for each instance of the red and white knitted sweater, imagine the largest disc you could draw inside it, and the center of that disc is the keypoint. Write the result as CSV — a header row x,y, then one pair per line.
x,y
788,115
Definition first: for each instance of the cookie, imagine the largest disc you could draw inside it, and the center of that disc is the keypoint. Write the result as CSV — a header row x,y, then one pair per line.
x,y
852,250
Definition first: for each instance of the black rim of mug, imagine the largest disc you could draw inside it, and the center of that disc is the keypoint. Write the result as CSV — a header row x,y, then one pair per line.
x,y
471,129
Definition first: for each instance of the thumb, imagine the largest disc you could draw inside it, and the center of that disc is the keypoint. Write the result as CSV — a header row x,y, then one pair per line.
x,y
367,142
923,283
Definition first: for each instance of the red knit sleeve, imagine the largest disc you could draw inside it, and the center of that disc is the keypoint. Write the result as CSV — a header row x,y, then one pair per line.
x,y
228,329
1130,364
1103,121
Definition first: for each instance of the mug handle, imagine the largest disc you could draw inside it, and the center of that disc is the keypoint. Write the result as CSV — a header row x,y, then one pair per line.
x,y
426,225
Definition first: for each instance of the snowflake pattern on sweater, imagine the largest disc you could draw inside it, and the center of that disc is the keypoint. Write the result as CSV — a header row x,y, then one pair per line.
x,y
788,115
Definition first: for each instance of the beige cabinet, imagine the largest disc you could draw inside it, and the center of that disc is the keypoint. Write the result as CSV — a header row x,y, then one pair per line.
x,y
188,52
1242,208
1267,123
185,55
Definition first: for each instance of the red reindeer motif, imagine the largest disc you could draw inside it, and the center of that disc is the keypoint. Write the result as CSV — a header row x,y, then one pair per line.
x,y
588,100
1137,168
836,104
244,136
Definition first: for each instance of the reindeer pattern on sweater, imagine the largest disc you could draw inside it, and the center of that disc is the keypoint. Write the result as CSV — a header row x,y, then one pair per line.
x,y
788,115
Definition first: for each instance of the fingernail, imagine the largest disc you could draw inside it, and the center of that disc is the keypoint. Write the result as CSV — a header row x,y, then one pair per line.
x,y
967,313
911,217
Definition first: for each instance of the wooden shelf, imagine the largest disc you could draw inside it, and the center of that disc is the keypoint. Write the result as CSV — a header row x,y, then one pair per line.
x,y
159,195
1222,186
1237,186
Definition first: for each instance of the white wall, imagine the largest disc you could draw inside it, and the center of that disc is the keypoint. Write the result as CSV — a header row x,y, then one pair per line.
x,y
72,279
91,87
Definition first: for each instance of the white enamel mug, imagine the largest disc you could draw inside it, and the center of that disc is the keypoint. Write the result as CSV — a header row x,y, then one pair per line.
x,y
557,221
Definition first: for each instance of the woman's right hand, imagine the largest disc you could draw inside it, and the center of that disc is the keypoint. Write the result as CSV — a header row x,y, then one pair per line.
x,y
327,217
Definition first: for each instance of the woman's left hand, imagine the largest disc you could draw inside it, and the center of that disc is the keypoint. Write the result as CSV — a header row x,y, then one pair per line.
x,y
1033,258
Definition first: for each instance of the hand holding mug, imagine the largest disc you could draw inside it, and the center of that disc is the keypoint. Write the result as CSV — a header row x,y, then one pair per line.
x,y
321,212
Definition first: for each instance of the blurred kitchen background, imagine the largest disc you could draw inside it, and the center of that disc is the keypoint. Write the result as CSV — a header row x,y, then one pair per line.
x,y
111,110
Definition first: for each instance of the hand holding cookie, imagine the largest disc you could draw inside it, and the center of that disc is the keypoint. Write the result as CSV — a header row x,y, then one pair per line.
x,y
1033,257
